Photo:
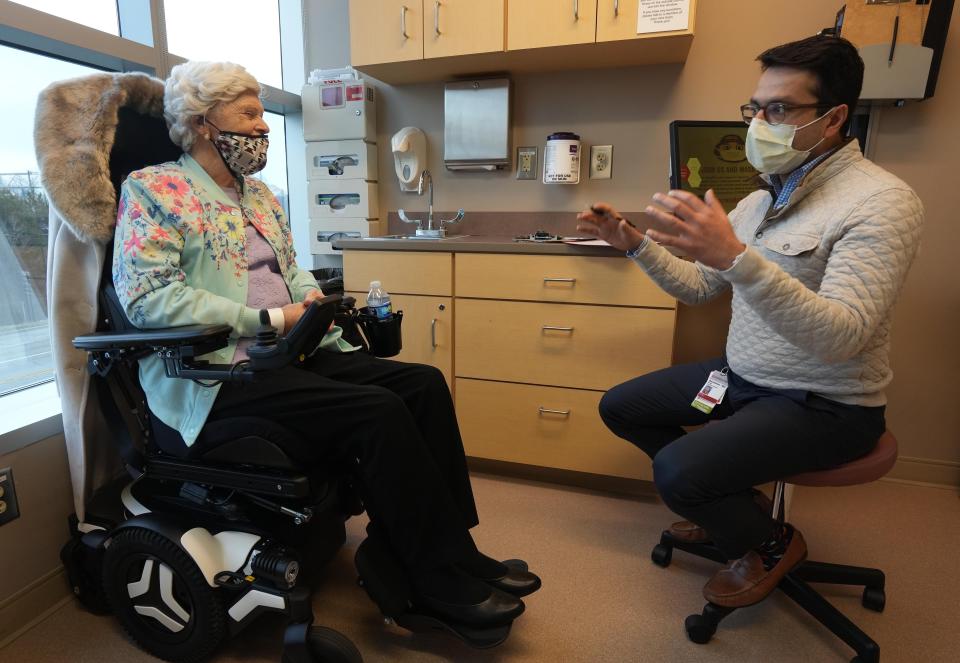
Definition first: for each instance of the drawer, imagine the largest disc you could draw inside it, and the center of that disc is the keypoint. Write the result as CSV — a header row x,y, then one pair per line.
x,y
571,279
511,422
566,345
406,272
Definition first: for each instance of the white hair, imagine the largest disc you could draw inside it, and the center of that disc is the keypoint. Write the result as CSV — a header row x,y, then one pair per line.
x,y
193,88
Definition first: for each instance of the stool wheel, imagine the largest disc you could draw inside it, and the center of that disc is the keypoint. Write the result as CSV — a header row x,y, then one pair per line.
x,y
874,599
699,628
662,555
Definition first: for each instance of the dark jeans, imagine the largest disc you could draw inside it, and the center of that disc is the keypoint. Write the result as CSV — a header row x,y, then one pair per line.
x,y
398,420
760,435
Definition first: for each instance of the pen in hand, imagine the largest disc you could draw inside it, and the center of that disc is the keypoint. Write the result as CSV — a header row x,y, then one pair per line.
x,y
617,217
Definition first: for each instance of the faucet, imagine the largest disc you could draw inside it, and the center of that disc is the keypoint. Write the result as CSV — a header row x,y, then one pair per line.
x,y
425,175
429,231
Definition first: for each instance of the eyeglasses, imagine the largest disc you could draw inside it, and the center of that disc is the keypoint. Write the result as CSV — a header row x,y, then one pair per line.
x,y
775,112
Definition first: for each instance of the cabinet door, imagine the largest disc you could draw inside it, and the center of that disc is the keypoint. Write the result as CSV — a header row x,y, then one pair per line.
x,y
427,330
385,31
538,23
462,27
617,19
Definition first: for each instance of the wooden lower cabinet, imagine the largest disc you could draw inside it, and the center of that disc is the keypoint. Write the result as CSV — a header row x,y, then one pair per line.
x,y
427,330
543,426
565,345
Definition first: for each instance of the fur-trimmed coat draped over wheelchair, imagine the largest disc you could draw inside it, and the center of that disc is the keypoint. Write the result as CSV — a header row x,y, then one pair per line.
x,y
81,156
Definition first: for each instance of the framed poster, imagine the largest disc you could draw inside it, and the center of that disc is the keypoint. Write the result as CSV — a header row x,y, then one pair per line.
x,y
712,155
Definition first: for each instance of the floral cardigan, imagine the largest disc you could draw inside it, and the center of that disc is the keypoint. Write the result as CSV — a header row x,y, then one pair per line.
x,y
179,259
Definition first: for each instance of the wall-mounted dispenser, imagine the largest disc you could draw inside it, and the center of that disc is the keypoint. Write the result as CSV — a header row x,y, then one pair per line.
x,y
476,124
409,147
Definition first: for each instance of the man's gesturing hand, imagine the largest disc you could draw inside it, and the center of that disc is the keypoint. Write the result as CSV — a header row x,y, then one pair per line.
x,y
699,228
604,222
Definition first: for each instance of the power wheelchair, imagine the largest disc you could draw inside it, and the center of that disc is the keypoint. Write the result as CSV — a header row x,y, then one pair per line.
x,y
198,541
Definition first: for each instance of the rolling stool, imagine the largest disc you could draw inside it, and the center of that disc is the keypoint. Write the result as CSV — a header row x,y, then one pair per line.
x,y
700,628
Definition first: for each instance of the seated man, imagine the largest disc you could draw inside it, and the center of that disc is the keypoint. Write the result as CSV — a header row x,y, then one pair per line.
x,y
201,241
815,262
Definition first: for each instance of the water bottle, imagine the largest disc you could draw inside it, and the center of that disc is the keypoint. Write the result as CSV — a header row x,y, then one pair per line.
x,y
378,301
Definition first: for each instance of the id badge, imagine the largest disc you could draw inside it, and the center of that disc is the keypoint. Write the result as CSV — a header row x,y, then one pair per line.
x,y
712,392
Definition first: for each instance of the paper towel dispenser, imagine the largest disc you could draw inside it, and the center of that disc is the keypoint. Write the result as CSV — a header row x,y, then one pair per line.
x,y
476,124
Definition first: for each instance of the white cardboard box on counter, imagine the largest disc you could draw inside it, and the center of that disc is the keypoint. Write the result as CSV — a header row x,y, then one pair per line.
x,y
341,160
333,199
324,231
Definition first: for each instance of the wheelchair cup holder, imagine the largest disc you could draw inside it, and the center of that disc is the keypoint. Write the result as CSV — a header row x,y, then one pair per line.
x,y
383,335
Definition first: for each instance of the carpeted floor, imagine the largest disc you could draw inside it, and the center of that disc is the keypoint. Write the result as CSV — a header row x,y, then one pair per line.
x,y
603,600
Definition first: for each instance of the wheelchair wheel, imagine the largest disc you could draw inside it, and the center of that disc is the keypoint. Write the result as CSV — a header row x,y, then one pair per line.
x,y
329,646
161,598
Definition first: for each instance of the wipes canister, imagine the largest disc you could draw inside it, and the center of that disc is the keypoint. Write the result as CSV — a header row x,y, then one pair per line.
x,y
561,158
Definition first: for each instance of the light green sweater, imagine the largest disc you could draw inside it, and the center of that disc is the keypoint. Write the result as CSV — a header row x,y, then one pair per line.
x,y
179,259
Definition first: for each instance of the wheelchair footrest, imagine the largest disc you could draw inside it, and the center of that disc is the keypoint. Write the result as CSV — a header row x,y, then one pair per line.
x,y
480,638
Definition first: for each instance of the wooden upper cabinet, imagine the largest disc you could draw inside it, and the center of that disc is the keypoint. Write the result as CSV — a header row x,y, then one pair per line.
x,y
539,23
462,27
386,31
617,19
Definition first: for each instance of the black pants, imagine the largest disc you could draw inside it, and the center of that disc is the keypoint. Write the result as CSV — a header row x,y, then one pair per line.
x,y
762,435
398,420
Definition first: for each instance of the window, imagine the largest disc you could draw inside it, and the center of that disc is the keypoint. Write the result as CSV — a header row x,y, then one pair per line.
x,y
24,343
275,173
243,31
98,14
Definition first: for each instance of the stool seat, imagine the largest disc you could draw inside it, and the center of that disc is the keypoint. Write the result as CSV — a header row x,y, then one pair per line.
x,y
865,469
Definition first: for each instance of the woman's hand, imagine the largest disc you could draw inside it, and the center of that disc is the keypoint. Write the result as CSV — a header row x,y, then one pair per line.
x,y
292,314
602,221
316,293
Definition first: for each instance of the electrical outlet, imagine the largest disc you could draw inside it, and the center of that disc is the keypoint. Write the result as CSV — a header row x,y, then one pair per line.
x,y
8,497
601,162
527,163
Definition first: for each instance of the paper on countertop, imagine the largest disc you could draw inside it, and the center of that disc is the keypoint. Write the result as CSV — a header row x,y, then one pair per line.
x,y
587,242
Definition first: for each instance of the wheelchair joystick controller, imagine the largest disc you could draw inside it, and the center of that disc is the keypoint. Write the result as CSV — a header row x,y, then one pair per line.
x,y
266,334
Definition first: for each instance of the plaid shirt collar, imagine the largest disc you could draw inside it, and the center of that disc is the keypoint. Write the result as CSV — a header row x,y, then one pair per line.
x,y
785,185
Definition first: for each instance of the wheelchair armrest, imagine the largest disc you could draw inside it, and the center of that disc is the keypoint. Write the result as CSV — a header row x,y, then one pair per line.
x,y
205,338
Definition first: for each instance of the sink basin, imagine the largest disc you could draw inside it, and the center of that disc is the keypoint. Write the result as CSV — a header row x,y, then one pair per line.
x,y
420,238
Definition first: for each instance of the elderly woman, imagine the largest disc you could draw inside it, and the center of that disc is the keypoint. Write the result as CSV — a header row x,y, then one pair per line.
x,y
200,241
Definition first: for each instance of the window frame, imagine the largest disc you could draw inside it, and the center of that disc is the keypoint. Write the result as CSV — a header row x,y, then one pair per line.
x,y
32,30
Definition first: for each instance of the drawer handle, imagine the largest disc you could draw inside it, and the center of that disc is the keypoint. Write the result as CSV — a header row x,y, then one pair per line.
x,y
436,17
433,332
576,10
552,328
616,8
544,410
547,279
403,22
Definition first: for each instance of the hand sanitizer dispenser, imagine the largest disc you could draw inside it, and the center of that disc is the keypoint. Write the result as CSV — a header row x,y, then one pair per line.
x,y
409,147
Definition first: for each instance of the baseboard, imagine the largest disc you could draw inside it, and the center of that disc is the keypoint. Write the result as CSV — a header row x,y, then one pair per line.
x,y
943,473
32,604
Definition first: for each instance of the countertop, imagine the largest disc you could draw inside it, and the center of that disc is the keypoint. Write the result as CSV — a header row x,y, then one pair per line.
x,y
476,244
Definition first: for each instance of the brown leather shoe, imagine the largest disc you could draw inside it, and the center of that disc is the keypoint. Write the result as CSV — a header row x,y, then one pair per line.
x,y
744,581
693,533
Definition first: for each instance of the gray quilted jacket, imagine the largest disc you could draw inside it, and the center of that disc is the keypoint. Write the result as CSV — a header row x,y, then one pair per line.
x,y
814,294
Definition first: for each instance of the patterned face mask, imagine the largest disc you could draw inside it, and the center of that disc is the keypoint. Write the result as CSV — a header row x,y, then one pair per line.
x,y
244,154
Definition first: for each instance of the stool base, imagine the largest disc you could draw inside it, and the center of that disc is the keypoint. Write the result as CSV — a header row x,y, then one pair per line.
x,y
701,627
